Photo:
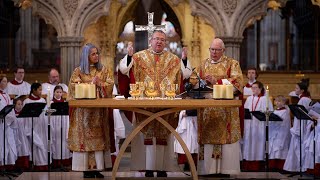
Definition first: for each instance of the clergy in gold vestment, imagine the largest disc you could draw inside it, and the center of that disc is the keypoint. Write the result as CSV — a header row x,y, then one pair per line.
x,y
219,128
161,67
88,135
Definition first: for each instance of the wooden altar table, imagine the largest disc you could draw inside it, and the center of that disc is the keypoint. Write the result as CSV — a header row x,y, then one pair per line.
x,y
138,106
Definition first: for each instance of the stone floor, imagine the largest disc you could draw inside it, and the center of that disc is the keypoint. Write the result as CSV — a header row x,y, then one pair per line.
x,y
125,173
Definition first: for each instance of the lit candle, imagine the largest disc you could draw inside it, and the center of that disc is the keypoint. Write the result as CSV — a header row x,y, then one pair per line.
x,y
79,91
48,97
267,98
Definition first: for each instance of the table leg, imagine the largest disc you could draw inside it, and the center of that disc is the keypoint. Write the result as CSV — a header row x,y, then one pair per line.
x,y
153,116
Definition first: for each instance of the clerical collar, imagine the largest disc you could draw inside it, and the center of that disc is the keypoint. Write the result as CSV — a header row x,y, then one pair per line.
x,y
157,53
248,85
216,62
16,112
16,82
303,95
33,97
57,100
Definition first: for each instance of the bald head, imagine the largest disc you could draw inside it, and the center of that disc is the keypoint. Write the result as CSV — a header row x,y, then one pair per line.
x,y
218,41
54,76
216,49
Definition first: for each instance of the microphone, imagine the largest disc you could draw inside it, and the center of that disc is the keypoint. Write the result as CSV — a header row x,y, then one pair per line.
x,y
187,86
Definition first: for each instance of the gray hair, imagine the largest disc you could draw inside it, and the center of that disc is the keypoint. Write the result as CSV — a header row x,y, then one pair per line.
x,y
84,59
220,41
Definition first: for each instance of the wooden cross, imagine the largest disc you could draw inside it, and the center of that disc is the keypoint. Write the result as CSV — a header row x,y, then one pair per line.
x,y
150,27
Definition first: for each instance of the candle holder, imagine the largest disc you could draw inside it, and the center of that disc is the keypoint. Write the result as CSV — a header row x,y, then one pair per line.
x,y
267,113
49,111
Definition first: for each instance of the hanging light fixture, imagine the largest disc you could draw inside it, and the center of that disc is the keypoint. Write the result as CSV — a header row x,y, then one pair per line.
x,y
316,2
274,5
24,4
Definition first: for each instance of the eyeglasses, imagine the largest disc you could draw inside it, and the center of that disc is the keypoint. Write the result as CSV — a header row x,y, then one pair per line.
x,y
216,50
95,54
159,39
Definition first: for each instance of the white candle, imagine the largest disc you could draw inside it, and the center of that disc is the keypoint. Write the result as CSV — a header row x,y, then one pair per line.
x,y
79,91
267,98
48,97
229,91
223,91
91,91
216,89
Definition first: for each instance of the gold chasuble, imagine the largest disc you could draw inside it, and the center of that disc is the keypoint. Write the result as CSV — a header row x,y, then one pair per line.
x,y
89,129
220,126
160,68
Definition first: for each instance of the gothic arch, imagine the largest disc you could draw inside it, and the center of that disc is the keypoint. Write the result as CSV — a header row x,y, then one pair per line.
x,y
68,16
207,10
90,13
126,16
49,12
251,11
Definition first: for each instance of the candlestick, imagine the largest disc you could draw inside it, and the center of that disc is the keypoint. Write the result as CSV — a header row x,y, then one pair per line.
x,y
48,97
267,98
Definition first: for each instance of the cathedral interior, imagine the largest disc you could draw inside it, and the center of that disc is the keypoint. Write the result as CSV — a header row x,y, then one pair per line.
x,y
278,37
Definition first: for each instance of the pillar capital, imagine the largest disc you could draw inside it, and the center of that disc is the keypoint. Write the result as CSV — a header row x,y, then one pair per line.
x,y
70,55
68,41
232,45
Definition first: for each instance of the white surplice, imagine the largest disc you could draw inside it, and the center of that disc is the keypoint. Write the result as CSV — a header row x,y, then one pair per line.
x,y
60,124
23,145
19,89
188,131
9,139
279,135
255,130
311,140
40,135
292,162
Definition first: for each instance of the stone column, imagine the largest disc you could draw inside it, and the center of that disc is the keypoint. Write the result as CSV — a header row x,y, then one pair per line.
x,y
232,45
70,56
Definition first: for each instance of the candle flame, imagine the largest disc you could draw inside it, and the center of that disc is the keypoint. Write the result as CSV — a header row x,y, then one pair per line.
x,y
267,87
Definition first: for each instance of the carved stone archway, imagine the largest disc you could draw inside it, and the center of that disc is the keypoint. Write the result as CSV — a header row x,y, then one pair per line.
x,y
70,17
229,19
